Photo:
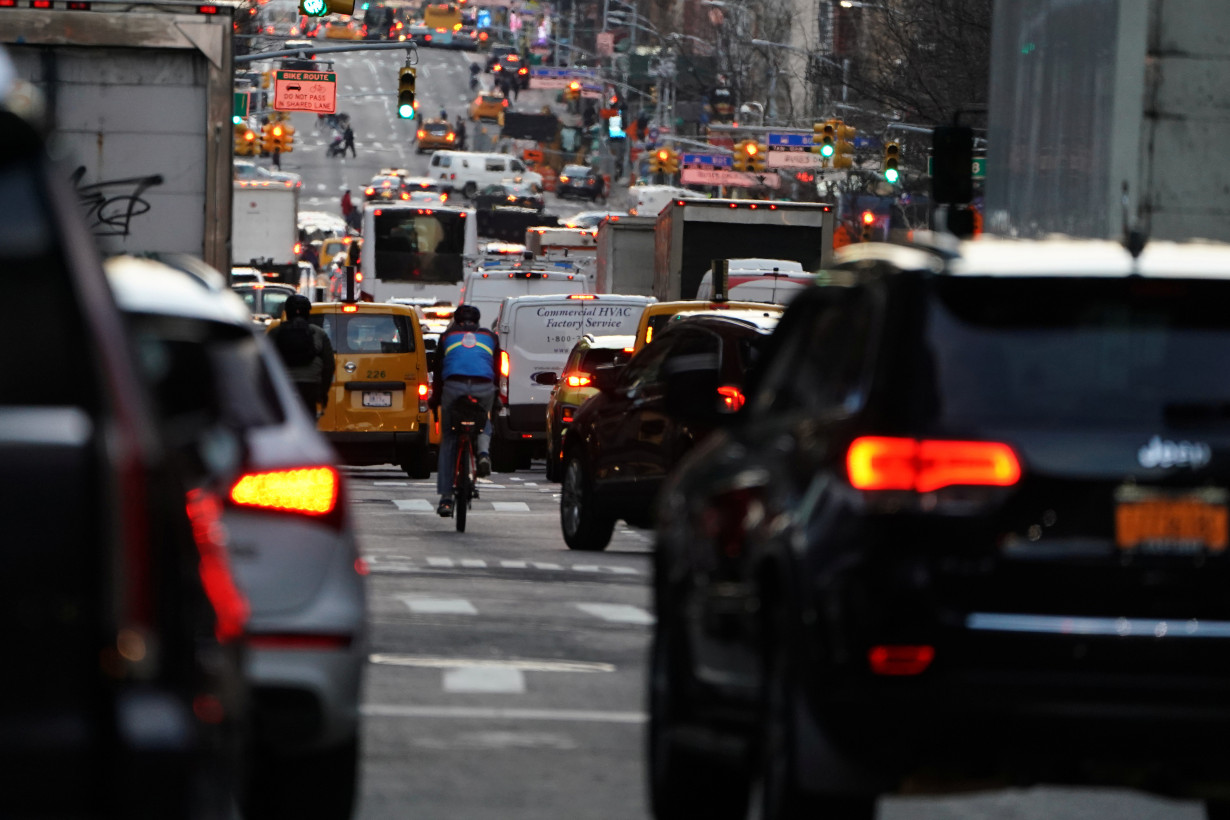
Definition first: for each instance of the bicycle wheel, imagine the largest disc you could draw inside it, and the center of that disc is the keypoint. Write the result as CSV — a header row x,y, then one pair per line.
x,y
462,484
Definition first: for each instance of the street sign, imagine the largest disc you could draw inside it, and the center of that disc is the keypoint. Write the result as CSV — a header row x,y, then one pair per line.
x,y
314,91
591,91
789,142
791,159
721,176
706,161
977,171
240,110
554,79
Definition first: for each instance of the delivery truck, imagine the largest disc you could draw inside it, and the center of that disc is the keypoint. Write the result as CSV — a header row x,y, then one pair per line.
x,y
265,230
625,255
140,101
690,233
1096,141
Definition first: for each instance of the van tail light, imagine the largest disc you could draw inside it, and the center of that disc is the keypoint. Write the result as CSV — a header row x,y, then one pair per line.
x,y
504,371
900,660
882,463
732,398
424,392
504,363
578,379
306,490
229,604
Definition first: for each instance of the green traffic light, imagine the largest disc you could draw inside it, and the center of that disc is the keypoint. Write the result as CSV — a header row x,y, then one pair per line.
x,y
891,176
826,150
314,8
237,120
405,111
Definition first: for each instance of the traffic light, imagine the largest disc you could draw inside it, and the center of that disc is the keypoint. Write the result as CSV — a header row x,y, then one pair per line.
x,y
655,162
892,155
406,79
286,138
266,79
672,162
869,221
843,151
319,8
756,156
244,136
269,142
573,92
825,141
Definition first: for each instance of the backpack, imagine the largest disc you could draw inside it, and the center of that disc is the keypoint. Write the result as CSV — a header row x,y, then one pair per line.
x,y
295,343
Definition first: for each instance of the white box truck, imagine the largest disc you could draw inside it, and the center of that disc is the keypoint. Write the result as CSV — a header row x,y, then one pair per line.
x,y
1104,114
265,229
625,255
140,100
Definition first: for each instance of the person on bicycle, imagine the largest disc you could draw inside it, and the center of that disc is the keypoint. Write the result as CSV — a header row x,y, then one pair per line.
x,y
467,364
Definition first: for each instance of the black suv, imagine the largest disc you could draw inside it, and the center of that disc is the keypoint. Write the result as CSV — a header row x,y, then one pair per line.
x,y
624,440
972,522
580,181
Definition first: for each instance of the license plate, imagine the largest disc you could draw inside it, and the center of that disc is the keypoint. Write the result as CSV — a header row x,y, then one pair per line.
x,y
1198,521
377,398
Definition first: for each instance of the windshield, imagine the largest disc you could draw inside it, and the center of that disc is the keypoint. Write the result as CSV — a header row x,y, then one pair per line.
x,y
1080,351
419,245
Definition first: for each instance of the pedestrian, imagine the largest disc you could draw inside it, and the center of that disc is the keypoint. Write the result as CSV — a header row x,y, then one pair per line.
x,y
348,141
306,351
444,115
460,130
277,159
466,364
347,203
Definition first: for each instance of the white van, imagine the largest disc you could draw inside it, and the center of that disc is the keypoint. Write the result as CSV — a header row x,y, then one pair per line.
x,y
487,287
649,200
468,171
536,335
775,281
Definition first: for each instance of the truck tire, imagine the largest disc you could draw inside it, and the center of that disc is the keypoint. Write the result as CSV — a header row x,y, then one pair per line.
x,y
469,190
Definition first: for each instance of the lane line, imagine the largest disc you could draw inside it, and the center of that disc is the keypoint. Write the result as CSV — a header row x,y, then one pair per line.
x,y
440,562
617,613
438,606
427,662
475,563
414,505
546,565
484,679
479,713
514,564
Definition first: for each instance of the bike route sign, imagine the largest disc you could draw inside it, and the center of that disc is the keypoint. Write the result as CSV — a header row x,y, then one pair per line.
x,y
314,91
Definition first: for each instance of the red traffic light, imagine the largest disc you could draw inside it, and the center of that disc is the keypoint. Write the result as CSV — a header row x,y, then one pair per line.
x,y
751,149
663,155
869,218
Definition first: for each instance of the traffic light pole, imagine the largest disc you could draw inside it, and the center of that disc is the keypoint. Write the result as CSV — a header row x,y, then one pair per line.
x,y
412,53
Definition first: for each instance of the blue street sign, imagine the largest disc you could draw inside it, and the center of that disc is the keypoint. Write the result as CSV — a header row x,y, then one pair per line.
x,y
551,73
712,160
863,143
790,140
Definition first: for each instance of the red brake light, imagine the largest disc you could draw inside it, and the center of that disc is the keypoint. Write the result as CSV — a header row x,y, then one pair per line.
x,y
423,391
504,363
732,398
230,606
369,191
900,660
310,490
298,248
422,133
579,380
581,295
882,463
350,308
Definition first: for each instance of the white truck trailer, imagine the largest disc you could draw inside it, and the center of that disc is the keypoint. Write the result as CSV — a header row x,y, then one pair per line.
x,y
1104,116
266,228
625,255
139,97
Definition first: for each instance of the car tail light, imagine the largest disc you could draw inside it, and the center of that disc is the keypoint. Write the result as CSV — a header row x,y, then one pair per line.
x,y
422,133
350,308
900,660
369,191
882,463
423,391
504,103
450,137
308,490
732,398
298,248
566,415
229,605
504,371
578,380
648,334
405,195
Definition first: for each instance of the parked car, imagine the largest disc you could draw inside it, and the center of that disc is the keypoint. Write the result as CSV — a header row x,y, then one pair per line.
x,y
123,694
971,523
575,385
277,496
264,301
582,182
509,194
433,134
624,441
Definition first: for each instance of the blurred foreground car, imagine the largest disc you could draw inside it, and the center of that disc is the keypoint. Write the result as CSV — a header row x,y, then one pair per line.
x,y
123,694
971,524
290,539
624,441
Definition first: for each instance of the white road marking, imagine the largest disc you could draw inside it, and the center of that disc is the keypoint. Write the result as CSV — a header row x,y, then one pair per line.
x,y
531,484
617,613
510,506
475,563
322,187
440,562
514,564
546,565
426,662
624,570
481,713
390,483
484,679
586,567
439,606
414,505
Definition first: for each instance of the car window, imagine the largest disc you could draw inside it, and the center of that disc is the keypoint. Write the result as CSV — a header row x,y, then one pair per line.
x,y
495,165
249,298
597,357
367,333
646,366
274,300
443,162
516,165
824,362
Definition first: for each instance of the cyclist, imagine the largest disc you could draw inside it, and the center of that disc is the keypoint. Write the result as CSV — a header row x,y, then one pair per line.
x,y
467,364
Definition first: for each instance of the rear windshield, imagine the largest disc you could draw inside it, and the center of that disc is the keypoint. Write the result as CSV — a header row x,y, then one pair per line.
x,y
436,128
576,171
419,245
595,358
367,332
1080,351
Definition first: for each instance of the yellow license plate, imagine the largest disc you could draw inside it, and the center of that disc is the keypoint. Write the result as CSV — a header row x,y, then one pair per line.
x,y
1195,522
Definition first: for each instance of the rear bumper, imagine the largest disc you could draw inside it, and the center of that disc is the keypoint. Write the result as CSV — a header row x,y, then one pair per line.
x,y
305,699
523,422
376,448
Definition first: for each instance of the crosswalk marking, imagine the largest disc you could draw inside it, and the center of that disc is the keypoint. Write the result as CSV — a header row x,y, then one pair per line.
x,y
510,506
390,483
440,562
484,679
439,606
586,567
402,563
414,505
617,613
545,565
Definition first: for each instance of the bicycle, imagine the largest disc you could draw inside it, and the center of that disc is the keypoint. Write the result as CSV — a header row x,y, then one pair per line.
x,y
467,419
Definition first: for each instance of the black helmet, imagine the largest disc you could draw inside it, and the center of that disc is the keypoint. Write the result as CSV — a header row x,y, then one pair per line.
x,y
297,305
467,314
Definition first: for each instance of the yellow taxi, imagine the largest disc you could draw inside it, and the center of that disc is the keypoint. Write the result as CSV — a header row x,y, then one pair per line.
x,y
377,409
331,247
575,385
658,314
435,134
488,107
343,30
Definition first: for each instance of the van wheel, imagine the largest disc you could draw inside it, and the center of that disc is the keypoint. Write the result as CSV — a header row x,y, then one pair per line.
x,y
469,190
503,456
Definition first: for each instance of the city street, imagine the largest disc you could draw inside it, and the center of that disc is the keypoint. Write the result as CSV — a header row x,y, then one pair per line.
x,y
507,673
